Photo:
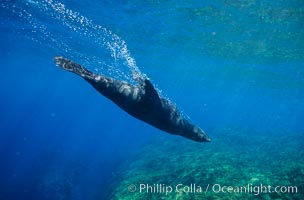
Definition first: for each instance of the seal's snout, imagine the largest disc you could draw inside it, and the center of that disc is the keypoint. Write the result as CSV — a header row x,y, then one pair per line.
x,y
207,139
199,135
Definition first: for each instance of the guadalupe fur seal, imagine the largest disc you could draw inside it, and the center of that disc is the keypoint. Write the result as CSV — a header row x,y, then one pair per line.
x,y
141,101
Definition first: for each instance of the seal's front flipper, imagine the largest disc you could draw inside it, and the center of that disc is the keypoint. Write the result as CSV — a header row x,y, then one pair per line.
x,y
151,95
73,67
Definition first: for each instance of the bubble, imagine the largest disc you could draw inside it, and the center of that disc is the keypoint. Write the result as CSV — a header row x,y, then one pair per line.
x,y
55,26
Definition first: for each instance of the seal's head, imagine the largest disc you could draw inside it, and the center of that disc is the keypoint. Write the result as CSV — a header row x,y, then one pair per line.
x,y
195,133
200,135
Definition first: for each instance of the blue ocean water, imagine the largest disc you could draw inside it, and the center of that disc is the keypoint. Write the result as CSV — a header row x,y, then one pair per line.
x,y
226,64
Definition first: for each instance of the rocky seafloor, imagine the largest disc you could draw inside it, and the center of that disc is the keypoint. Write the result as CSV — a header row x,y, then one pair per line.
x,y
248,162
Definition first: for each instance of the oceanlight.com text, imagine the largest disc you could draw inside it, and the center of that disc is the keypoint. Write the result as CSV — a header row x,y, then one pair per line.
x,y
254,189
213,188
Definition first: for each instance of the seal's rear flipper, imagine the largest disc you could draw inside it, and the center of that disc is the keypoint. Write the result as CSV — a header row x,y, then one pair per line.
x,y
73,67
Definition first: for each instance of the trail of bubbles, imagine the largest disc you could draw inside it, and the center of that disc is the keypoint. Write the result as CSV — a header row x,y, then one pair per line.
x,y
81,25
85,27
35,29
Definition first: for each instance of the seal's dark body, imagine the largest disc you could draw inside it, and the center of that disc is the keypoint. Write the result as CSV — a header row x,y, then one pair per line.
x,y
142,102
